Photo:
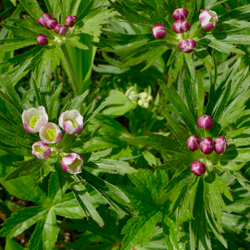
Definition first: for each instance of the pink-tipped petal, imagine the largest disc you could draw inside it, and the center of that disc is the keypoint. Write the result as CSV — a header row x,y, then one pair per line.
x,y
28,128
58,137
72,163
208,19
77,130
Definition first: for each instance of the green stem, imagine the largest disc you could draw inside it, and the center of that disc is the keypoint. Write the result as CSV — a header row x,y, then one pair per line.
x,y
68,66
196,33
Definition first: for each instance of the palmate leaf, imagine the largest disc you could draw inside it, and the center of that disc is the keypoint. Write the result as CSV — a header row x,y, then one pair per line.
x,y
138,230
45,234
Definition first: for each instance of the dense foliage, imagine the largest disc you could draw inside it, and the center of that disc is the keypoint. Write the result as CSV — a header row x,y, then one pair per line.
x,y
124,124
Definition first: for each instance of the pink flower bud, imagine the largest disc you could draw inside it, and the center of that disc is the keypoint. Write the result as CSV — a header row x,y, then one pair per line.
x,y
42,39
72,163
51,23
220,145
44,19
159,31
207,145
180,13
198,168
41,150
208,19
187,45
61,29
193,142
181,26
70,20
205,122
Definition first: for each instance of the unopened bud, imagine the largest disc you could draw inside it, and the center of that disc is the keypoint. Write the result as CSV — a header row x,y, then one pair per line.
x,y
220,145
51,23
193,142
61,29
150,97
70,20
140,103
205,122
146,105
180,13
159,31
207,145
143,95
42,39
198,168
44,19
187,45
181,26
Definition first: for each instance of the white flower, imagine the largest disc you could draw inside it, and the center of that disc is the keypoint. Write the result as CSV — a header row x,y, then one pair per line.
x,y
41,150
71,121
50,133
72,163
34,119
208,19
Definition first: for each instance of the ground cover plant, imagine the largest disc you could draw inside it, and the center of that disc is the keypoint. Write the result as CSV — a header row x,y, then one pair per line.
x,y
124,124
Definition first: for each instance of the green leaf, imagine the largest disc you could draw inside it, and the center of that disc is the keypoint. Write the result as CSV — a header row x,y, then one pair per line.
x,y
68,207
199,237
113,195
50,230
118,105
145,182
178,103
21,220
12,245
33,8
84,200
10,91
21,187
16,43
74,41
113,166
139,230
25,168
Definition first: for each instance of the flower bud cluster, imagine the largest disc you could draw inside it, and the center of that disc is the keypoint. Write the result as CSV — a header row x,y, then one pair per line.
x,y
208,20
51,23
207,145
71,121
142,99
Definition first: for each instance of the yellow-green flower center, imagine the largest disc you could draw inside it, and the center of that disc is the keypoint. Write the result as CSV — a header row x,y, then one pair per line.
x,y
50,134
73,122
39,150
33,120
75,164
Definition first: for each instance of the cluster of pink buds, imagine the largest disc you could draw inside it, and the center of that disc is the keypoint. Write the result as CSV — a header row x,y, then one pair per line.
x,y
51,23
208,20
71,121
207,145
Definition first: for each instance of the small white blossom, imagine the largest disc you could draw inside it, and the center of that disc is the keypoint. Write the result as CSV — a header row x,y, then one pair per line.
x,y
33,119
71,121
